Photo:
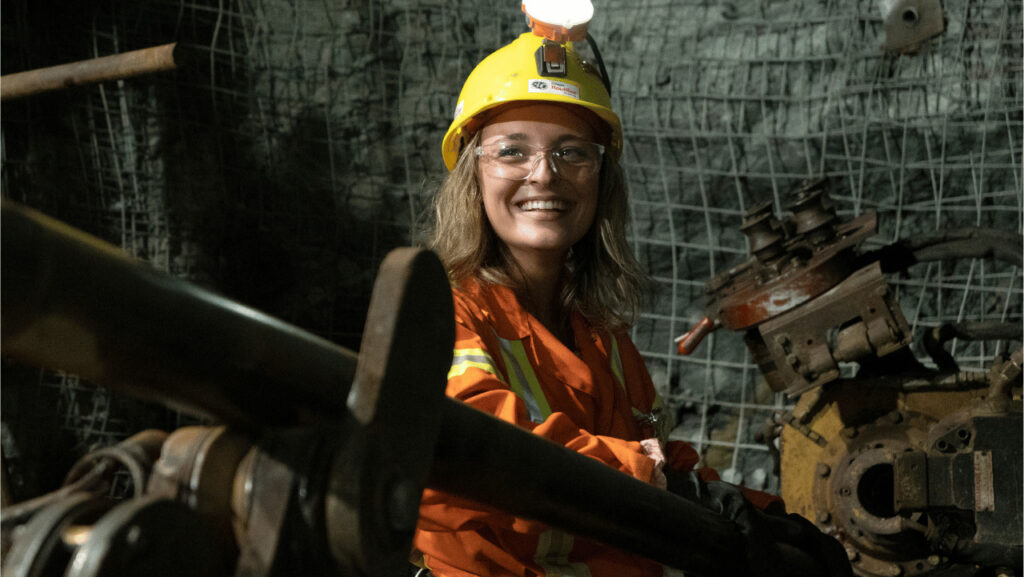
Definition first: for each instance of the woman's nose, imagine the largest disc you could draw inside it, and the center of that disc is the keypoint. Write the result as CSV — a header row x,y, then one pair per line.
x,y
543,170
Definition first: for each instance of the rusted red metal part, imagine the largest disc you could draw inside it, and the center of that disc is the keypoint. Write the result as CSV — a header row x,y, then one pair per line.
x,y
758,291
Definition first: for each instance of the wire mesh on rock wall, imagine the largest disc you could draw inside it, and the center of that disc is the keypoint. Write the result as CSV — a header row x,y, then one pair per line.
x,y
301,143
729,104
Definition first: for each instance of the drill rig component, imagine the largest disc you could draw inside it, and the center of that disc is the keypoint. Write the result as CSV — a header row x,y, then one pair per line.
x,y
804,302
792,262
148,536
93,474
935,339
914,481
332,482
915,471
73,301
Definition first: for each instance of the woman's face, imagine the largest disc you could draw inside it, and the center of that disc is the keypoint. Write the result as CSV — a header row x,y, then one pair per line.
x,y
545,214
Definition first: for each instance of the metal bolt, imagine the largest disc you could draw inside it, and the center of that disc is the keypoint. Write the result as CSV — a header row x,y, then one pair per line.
x,y
934,560
823,470
133,535
403,505
824,517
895,570
135,540
852,554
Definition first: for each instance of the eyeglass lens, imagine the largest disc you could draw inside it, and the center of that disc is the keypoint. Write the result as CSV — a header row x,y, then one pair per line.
x,y
519,161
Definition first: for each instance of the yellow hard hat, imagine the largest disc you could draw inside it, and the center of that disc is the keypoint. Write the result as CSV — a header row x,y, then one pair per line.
x,y
510,75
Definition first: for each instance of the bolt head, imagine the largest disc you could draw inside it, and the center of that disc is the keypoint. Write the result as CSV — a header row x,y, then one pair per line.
x,y
823,470
403,503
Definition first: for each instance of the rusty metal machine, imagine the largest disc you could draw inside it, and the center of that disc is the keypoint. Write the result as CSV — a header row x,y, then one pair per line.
x,y
319,455
916,470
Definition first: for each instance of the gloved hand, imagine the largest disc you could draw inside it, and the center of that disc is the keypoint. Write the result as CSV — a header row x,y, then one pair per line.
x,y
764,530
652,449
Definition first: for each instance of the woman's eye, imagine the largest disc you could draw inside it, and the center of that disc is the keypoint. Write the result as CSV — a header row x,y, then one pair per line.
x,y
510,152
572,154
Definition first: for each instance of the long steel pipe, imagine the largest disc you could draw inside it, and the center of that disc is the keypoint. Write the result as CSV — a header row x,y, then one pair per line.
x,y
104,68
75,303
72,302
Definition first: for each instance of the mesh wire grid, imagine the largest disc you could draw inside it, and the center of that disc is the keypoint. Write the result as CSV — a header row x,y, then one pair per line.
x,y
301,143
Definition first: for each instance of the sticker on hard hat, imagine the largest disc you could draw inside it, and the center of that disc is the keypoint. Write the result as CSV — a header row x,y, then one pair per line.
x,y
553,87
458,108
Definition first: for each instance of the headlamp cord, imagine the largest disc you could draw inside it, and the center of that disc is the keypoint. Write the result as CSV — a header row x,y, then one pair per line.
x,y
600,64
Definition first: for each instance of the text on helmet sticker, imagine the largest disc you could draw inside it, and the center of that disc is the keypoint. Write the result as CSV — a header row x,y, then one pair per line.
x,y
548,86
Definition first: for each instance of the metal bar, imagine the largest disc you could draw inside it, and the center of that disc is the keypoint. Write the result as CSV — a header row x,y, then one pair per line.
x,y
114,67
493,462
75,303
72,302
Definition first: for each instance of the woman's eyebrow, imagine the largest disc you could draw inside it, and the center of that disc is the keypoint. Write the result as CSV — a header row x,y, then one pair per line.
x,y
521,136
513,136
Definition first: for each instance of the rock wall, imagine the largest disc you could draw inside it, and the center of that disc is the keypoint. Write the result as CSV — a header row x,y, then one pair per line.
x,y
301,143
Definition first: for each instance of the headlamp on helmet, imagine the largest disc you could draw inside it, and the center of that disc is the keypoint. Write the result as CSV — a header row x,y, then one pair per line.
x,y
543,66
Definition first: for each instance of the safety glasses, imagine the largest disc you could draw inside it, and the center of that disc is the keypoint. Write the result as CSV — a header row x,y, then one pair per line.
x,y
572,160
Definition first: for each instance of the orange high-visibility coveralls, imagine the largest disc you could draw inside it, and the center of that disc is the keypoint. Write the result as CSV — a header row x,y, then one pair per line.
x,y
596,401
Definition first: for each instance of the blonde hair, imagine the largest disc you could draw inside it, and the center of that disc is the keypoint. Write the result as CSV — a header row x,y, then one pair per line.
x,y
605,285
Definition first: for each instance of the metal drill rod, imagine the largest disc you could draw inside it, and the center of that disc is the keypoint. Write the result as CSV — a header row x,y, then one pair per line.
x,y
104,68
75,303
485,459
72,302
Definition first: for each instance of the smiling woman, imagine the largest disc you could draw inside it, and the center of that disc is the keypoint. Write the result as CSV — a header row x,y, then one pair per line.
x,y
531,227
542,215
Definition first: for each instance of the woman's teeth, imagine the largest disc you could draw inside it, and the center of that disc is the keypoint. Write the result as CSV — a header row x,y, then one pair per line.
x,y
543,205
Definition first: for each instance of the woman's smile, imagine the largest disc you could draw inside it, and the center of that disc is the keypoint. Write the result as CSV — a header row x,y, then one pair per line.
x,y
547,212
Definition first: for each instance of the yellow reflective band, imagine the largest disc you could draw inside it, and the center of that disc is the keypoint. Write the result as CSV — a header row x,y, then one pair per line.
x,y
616,360
465,359
658,415
523,380
553,548
461,368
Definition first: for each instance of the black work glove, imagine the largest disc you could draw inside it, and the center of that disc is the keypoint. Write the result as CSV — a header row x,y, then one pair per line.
x,y
764,531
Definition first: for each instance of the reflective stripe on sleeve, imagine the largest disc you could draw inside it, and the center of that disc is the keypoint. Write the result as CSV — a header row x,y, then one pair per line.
x,y
662,426
464,359
616,361
523,380
553,548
